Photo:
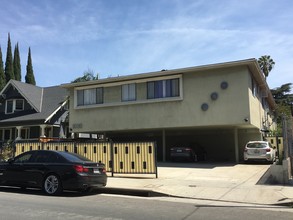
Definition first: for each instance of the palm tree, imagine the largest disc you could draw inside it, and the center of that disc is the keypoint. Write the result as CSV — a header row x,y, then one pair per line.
x,y
266,63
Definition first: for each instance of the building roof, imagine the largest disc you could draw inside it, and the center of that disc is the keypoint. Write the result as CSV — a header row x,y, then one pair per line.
x,y
251,63
33,94
45,100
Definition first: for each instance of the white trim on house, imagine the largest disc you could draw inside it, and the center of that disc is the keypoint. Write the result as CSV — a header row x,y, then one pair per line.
x,y
120,103
50,116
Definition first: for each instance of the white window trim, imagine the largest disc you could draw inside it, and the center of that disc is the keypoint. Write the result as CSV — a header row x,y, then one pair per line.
x,y
13,105
22,104
121,103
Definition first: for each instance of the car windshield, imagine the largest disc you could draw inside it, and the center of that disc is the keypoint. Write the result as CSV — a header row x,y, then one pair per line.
x,y
74,157
257,145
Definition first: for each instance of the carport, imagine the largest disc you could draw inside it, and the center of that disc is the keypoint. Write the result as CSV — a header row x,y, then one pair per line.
x,y
223,144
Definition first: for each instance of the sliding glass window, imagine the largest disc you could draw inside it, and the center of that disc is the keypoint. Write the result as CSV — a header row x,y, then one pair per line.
x,y
128,92
163,89
89,96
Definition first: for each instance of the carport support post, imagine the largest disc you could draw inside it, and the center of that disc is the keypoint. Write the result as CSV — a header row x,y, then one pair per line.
x,y
236,144
164,144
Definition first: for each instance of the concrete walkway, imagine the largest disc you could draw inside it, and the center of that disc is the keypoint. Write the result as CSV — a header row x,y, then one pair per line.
x,y
218,182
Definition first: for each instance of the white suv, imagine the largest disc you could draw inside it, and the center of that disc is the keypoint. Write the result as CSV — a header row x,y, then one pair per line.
x,y
259,150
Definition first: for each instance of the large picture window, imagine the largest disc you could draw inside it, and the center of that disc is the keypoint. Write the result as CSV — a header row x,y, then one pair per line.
x,y
163,89
89,96
129,92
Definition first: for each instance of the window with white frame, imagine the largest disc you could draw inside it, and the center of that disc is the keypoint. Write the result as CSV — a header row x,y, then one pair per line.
x,y
129,92
14,105
19,105
89,96
163,88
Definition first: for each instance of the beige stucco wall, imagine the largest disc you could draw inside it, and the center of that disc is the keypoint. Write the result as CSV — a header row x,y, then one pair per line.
x,y
256,109
259,117
112,94
230,109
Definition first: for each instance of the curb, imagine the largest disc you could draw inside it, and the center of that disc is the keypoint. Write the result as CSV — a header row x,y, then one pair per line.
x,y
150,193
130,192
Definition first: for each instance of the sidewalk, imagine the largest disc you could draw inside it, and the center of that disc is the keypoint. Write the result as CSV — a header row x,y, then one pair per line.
x,y
219,182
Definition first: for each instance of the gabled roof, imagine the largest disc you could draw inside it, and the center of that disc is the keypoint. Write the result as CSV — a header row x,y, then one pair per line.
x,y
46,101
33,94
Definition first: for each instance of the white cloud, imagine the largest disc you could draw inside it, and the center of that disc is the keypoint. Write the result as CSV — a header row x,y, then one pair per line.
x,y
115,37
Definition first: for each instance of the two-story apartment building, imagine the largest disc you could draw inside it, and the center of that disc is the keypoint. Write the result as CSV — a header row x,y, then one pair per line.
x,y
28,111
218,107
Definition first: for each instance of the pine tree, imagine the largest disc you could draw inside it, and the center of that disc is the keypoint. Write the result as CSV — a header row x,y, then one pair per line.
x,y
9,74
16,64
29,77
2,75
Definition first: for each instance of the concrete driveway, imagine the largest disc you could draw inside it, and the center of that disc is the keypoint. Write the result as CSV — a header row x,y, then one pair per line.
x,y
209,181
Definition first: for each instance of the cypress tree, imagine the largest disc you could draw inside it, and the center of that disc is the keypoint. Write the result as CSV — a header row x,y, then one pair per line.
x,y
9,74
29,77
2,75
16,64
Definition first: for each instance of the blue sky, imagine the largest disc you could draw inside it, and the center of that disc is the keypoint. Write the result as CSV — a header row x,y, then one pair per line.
x,y
123,37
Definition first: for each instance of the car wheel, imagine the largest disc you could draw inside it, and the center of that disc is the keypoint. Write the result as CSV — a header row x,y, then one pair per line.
x,y
52,185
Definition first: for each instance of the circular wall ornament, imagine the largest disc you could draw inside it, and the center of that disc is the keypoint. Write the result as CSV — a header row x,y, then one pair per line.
x,y
214,96
204,106
224,85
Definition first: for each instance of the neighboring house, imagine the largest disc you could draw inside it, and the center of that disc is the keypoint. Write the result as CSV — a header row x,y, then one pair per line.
x,y
28,111
217,107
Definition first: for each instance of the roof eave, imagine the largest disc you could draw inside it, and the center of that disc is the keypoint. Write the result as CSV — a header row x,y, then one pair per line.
x,y
11,82
158,73
53,113
259,77
251,63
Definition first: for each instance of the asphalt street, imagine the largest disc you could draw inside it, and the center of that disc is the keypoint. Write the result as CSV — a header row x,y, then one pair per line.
x,y
33,204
